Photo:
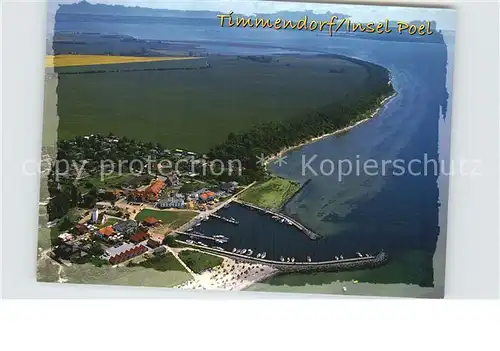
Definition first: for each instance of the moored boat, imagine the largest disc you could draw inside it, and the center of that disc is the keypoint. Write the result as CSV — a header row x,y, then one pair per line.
x,y
258,255
263,255
282,259
243,251
308,259
234,250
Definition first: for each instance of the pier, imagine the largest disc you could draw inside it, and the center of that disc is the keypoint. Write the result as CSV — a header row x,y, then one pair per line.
x,y
199,236
312,235
229,220
366,261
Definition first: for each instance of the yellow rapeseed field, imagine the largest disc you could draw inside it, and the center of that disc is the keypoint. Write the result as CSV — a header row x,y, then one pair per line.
x,y
87,60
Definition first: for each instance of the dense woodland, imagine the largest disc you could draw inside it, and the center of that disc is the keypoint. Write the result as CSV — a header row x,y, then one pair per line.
x,y
270,138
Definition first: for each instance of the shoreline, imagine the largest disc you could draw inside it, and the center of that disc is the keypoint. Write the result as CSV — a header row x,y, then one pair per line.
x,y
335,132
231,275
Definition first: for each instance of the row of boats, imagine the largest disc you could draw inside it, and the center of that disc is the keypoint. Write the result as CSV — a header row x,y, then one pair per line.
x,y
249,252
282,220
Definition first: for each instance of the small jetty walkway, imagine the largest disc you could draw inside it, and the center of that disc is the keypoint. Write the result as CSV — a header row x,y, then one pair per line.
x,y
312,235
229,220
197,235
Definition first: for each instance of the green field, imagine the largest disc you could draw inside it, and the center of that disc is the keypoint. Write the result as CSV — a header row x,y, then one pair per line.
x,y
106,181
163,263
174,219
271,194
198,109
198,261
135,276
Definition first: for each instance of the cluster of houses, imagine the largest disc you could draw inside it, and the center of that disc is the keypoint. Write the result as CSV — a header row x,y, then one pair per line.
x,y
156,194
120,241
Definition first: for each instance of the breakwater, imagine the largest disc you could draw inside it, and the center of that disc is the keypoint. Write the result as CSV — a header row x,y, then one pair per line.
x,y
290,267
312,235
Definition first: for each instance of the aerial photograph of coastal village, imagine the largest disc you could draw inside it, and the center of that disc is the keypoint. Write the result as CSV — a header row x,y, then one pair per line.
x,y
224,145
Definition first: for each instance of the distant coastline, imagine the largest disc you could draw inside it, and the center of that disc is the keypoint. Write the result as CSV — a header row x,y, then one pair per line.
x,y
335,132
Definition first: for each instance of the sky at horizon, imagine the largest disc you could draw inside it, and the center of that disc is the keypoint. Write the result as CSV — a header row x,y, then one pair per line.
x,y
445,18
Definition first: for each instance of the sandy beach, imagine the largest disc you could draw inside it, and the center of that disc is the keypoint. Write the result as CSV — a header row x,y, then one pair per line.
x,y
338,131
230,275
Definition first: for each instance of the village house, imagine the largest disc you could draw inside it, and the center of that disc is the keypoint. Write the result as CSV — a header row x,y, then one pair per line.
x,y
206,196
80,229
229,187
127,255
170,203
68,252
138,237
150,221
158,238
105,232
155,188
173,180
127,227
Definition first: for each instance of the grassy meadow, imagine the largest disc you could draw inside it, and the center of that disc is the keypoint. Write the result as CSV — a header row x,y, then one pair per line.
x,y
196,109
271,194
199,261
165,272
